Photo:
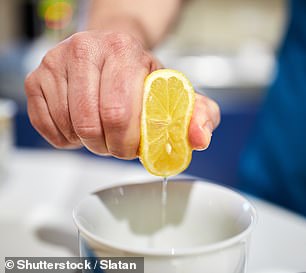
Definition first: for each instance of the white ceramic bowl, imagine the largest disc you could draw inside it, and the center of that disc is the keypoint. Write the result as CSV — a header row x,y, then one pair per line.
x,y
203,227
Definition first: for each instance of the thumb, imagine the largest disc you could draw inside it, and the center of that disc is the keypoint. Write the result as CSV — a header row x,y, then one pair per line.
x,y
205,118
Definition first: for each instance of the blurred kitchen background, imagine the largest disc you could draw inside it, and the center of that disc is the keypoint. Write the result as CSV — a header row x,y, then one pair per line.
x,y
225,47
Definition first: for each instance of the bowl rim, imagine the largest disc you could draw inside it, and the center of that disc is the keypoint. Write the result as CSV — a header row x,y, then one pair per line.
x,y
181,251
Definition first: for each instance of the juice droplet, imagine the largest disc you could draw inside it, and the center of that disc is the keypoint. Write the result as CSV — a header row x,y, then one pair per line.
x,y
164,201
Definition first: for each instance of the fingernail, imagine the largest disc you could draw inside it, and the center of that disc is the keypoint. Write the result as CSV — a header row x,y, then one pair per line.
x,y
208,127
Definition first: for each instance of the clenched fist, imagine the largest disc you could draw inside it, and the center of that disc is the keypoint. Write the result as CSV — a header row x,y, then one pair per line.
x,y
88,91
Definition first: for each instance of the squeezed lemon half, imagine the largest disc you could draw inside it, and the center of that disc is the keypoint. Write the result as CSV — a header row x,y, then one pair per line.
x,y
167,109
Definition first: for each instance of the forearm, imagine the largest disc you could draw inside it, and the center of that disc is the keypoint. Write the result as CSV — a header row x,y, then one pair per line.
x,y
147,20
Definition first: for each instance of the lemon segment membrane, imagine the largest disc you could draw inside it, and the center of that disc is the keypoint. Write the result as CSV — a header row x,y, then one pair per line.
x,y
167,109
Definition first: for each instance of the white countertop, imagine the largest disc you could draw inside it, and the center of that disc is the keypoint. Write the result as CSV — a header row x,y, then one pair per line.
x,y
43,186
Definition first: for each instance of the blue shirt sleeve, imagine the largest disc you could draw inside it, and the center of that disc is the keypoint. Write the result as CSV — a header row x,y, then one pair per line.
x,y
273,165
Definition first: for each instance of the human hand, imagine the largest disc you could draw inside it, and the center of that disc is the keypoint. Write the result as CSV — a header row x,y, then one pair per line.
x,y
87,91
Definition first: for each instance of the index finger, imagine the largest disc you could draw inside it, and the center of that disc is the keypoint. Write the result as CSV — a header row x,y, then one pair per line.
x,y
121,103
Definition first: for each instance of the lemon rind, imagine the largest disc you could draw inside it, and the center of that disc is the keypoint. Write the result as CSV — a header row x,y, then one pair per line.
x,y
166,74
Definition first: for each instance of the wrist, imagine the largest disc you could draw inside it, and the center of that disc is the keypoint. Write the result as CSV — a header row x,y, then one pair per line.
x,y
128,25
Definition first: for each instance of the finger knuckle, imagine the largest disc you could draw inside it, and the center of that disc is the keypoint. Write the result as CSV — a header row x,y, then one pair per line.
x,y
121,43
82,47
88,132
116,118
50,60
29,83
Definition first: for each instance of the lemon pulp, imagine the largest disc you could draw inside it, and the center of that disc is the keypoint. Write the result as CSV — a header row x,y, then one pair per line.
x,y
167,108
